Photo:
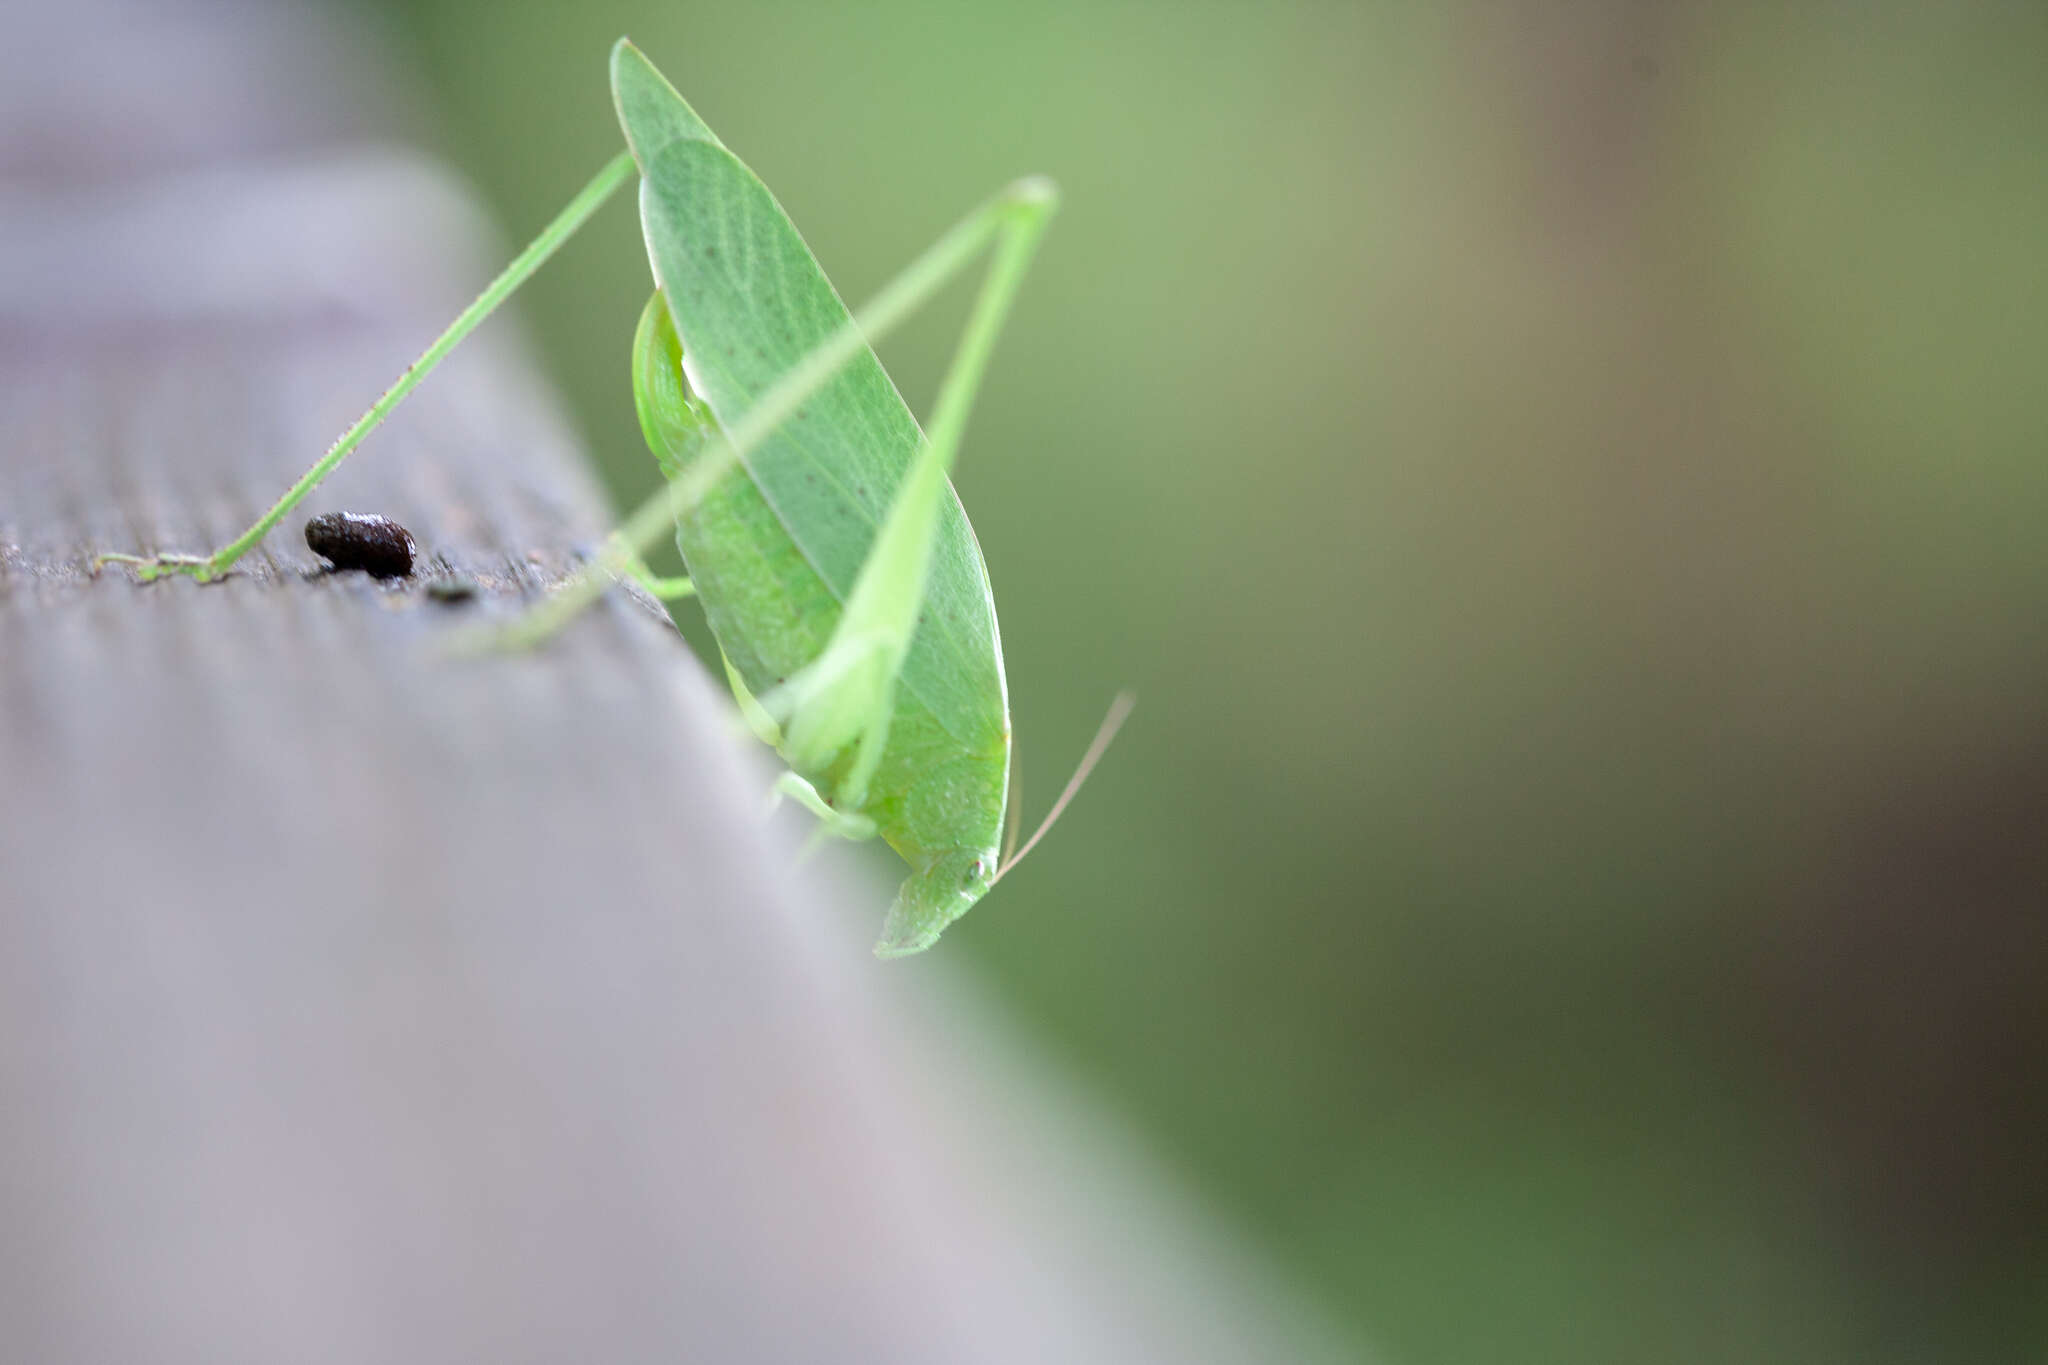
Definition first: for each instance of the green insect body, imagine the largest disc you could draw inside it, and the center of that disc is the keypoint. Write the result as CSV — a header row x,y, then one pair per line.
x,y
778,547
833,560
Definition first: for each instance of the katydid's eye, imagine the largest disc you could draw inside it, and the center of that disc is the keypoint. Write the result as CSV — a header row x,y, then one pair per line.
x,y
973,874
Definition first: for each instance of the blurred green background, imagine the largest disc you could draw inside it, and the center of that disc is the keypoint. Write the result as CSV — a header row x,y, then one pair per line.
x,y
1566,485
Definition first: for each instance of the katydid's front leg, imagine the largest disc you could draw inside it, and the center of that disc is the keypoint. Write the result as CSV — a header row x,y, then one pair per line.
x,y
659,588
836,823
665,589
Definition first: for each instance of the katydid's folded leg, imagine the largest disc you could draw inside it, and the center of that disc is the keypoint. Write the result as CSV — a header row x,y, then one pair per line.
x,y
668,589
661,589
756,715
836,823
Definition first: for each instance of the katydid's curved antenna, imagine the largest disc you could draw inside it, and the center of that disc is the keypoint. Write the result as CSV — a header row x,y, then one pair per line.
x,y
1013,822
1111,723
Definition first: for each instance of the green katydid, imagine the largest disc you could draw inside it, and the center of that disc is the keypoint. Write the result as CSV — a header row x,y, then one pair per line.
x,y
835,565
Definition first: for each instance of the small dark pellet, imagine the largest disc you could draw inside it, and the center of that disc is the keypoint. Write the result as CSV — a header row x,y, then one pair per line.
x,y
457,589
378,546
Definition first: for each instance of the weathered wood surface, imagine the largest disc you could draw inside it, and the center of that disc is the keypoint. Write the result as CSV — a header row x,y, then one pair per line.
x,y
359,1003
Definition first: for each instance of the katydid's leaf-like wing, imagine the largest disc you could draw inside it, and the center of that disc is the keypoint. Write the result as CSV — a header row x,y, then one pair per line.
x,y
651,112
749,302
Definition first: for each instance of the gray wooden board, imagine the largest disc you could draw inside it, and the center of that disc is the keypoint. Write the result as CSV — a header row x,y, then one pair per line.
x,y
358,1002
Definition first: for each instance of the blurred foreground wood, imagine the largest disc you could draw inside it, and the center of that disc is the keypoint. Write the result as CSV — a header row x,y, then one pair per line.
x,y
362,1004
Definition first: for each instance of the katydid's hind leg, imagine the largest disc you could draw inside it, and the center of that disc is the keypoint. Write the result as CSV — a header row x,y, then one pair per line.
x,y
1012,221
207,568
835,823
832,672
848,693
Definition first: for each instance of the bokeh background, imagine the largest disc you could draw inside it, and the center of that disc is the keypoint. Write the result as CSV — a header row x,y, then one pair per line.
x,y
1567,487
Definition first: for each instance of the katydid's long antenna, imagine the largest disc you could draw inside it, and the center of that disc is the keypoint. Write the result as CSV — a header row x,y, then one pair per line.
x,y
1111,723
1013,823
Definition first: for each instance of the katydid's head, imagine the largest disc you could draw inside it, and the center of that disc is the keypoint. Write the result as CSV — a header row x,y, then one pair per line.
x,y
953,882
932,899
